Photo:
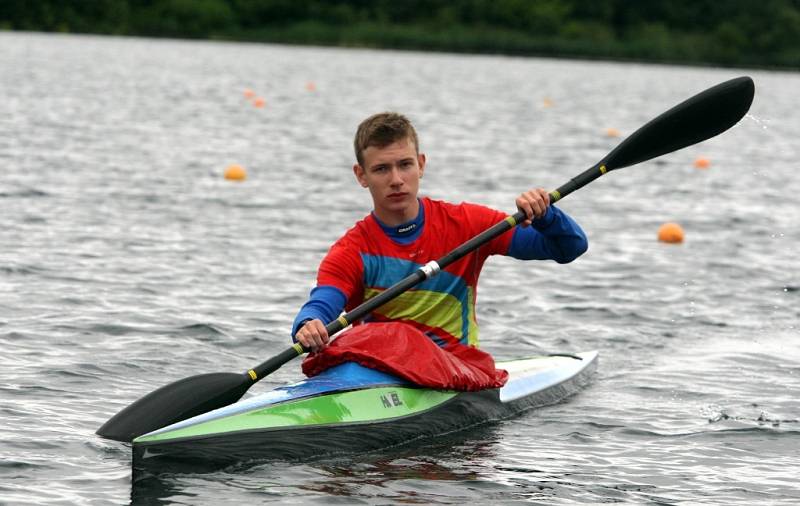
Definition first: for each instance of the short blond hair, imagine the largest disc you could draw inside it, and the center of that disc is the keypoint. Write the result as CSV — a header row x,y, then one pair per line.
x,y
381,130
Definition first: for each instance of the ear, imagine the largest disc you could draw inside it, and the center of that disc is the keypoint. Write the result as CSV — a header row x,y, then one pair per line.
x,y
421,160
358,171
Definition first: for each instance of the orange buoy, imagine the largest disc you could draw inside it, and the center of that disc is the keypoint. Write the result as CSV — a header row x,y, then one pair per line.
x,y
612,132
670,233
702,163
310,86
547,103
248,93
258,102
235,172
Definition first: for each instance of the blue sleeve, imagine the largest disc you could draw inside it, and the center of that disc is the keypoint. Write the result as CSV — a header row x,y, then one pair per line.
x,y
555,236
325,303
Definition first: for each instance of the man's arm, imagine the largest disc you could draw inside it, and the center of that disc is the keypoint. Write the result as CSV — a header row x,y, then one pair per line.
x,y
339,275
553,236
548,233
324,305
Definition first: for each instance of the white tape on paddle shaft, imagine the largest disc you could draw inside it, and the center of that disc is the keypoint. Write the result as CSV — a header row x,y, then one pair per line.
x,y
430,269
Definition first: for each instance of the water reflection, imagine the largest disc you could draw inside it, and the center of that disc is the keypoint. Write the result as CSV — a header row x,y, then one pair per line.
x,y
400,473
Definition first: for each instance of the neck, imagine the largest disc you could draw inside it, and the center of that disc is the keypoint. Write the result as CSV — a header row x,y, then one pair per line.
x,y
396,218
406,232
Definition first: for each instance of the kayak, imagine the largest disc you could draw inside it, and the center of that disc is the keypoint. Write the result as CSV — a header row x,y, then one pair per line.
x,y
350,409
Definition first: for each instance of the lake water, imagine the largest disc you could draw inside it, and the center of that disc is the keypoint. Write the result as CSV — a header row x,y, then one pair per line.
x,y
127,261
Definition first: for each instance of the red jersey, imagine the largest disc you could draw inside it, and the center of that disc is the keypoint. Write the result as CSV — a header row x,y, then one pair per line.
x,y
365,261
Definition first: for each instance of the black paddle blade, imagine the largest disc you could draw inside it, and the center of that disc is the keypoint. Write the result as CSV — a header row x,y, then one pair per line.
x,y
699,118
175,402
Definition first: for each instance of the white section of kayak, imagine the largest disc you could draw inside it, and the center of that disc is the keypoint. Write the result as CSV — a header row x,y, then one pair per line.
x,y
527,376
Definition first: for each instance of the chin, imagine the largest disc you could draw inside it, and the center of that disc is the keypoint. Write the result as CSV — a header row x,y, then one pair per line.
x,y
401,205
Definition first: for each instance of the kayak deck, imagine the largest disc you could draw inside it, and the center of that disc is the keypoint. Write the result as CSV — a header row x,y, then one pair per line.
x,y
351,409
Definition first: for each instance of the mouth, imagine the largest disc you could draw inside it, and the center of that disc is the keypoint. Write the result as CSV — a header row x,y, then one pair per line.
x,y
397,196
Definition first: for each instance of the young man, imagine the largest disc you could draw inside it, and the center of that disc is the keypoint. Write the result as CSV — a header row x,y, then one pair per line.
x,y
404,232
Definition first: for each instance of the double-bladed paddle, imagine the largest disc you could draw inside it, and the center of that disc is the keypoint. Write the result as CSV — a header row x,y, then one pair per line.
x,y
699,118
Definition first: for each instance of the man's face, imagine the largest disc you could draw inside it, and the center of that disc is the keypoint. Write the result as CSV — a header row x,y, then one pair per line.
x,y
392,175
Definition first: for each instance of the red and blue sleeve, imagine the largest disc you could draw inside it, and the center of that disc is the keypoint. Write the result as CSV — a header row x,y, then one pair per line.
x,y
339,277
325,303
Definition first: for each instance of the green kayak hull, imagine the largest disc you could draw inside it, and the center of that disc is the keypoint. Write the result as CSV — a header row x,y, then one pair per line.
x,y
351,410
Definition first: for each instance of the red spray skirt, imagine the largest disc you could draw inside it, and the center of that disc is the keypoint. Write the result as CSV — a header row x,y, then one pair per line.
x,y
402,350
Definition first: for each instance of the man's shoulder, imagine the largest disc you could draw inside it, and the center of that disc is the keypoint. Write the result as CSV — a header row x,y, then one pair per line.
x,y
460,210
357,235
443,206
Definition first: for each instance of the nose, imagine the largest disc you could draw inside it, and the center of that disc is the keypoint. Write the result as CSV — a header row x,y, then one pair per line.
x,y
396,179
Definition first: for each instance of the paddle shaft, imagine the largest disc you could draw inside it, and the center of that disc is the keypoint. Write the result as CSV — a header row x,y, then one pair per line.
x,y
427,271
699,118
433,268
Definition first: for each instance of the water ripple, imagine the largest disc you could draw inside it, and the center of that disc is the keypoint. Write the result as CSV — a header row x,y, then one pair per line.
x,y
128,262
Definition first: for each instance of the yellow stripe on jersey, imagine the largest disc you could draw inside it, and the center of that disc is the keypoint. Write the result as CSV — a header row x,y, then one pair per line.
x,y
432,309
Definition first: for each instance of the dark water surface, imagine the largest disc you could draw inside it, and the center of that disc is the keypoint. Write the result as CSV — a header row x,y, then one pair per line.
x,y
127,261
